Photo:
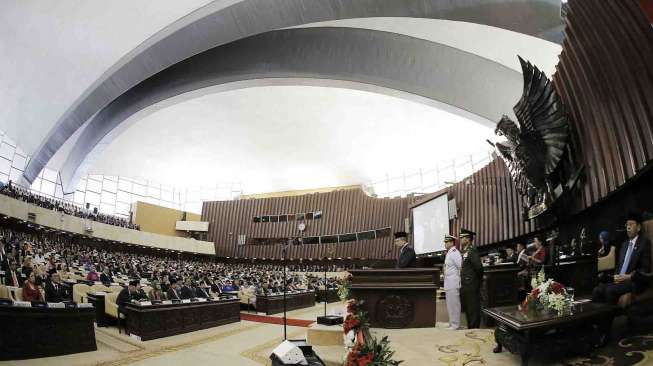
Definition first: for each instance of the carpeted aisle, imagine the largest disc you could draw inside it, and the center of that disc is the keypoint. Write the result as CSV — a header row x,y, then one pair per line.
x,y
275,320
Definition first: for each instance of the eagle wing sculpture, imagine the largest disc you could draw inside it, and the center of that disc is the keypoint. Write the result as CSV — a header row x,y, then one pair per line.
x,y
534,148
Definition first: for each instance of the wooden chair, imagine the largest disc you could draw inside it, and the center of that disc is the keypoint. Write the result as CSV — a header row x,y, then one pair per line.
x,y
80,292
5,293
607,263
112,310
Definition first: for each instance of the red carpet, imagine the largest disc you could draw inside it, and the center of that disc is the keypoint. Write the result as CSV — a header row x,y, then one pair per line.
x,y
275,320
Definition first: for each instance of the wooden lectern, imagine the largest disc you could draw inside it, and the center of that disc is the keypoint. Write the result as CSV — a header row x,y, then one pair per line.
x,y
397,298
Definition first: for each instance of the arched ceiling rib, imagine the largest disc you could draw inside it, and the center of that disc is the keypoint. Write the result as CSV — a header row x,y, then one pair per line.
x,y
225,21
390,61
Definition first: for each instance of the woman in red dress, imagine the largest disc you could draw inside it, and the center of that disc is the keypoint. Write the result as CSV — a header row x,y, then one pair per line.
x,y
539,257
31,291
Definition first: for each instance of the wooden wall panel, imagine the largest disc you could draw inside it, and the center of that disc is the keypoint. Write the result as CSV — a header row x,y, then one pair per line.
x,y
343,211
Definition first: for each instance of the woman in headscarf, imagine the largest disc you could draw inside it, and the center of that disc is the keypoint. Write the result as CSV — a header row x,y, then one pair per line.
x,y
604,243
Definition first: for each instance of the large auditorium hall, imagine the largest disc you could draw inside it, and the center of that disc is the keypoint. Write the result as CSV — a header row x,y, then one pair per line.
x,y
326,182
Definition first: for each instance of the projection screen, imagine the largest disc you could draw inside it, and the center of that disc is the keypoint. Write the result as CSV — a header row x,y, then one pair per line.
x,y
430,225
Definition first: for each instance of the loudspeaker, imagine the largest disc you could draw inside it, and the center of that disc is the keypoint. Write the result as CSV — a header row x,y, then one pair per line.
x,y
288,354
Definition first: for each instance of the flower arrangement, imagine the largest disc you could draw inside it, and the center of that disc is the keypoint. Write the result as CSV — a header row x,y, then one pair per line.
x,y
363,348
547,294
344,291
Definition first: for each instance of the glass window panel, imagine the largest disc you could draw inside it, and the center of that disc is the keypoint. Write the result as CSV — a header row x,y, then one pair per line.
x,y
109,186
47,188
4,178
139,190
92,198
15,175
123,208
274,218
5,166
136,198
329,239
167,196
365,235
49,175
93,186
36,184
122,196
112,178
81,186
7,151
152,200
257,219
283,218
20,151
8,141
346,237
19,162
107,208
79,197
154,192
311,240
299,216
125,185
383,233
108,197
195,207
291,217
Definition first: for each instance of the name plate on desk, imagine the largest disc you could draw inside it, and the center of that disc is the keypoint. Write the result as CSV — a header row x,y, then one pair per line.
x,y
166,302
201,300
56,305
145,303
185,301
23,304
83,305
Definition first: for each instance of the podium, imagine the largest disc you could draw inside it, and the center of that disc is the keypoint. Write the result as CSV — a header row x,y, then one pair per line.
x,y
397,298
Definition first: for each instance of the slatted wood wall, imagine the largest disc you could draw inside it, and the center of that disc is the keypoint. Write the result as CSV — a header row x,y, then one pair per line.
x,y
605,79
344,211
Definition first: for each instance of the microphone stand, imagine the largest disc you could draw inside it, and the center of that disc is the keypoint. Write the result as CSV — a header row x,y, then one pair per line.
x,y
283,252
382,258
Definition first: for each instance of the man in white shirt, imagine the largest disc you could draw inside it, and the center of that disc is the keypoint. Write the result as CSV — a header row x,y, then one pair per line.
x,y
452,264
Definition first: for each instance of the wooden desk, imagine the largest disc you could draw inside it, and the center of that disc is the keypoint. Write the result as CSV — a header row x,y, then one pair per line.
x,y
527,333
163,320
273,304
44,332
331,295
397,298
101,317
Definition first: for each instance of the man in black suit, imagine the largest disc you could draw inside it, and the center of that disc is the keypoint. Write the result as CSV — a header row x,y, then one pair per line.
x,y
187,292
106,277
406,254
173,292
634,256
471,277
54,289
132,292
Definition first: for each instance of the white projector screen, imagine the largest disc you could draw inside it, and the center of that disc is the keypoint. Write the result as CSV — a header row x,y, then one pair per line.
x,y
430,225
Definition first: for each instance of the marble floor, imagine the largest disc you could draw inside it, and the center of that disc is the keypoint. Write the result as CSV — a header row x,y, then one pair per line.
x,y
250,344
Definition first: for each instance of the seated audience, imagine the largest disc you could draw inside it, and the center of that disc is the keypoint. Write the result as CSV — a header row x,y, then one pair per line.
x,y
54,290
604,244
31,291
539,257
511,256
634,256
92,275
131,293
155,293
174,293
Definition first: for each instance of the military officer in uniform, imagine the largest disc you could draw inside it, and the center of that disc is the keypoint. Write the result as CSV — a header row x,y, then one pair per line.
x,y
452,265
471,277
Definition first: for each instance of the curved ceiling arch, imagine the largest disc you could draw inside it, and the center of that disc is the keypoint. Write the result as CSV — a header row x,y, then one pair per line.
x,y
225,21
389,61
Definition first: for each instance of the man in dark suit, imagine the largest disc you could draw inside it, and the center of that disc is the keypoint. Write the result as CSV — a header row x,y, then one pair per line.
x,y
106,277
406,254
55,291
511,256
173,292
187,292
634,256
471,275
132,292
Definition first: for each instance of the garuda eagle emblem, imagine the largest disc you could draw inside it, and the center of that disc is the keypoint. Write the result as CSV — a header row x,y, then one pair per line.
x,y
534,147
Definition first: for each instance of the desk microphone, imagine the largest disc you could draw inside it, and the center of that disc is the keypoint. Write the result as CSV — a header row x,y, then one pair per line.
x,y
382,258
